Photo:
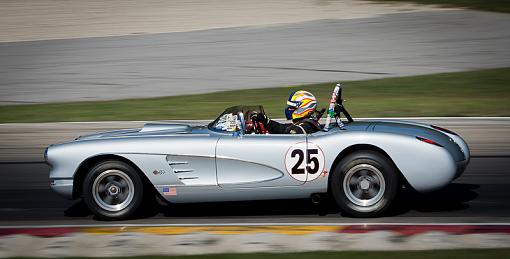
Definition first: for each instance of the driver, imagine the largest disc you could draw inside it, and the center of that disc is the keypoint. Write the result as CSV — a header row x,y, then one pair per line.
x,y
301,107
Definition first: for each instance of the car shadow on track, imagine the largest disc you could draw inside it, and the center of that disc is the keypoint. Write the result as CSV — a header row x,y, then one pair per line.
x,y
454,197
77,209
249,208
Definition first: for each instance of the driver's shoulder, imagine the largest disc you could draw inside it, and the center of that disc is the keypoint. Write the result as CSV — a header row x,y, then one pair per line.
x,y
305,126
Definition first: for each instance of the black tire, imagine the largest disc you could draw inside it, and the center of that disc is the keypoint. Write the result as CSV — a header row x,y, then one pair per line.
x,y
357,177
121,194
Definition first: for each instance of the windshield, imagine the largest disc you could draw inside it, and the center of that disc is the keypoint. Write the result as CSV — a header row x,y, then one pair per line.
x,y
229,120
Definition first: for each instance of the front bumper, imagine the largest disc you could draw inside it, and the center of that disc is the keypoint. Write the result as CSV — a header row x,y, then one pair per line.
x,y
461,166
63,187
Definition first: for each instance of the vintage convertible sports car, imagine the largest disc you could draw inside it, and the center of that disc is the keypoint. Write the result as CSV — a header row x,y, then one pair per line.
x,y
361,164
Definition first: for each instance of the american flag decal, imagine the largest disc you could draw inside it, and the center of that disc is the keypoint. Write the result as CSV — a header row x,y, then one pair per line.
x,y
170,191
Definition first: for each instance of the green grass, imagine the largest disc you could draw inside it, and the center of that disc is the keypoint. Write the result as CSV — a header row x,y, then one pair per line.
x,y
436,254
474,93
485,5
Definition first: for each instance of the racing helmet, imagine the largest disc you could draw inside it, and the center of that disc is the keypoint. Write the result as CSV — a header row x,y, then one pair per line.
x,y
300,105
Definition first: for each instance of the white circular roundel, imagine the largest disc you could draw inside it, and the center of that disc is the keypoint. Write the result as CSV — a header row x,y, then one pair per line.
x,y
304,163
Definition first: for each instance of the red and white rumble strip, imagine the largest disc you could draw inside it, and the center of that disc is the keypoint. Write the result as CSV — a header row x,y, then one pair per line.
x,y
132,240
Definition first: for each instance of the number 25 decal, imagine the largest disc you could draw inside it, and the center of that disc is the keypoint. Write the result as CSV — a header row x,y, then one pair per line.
x,y
299,160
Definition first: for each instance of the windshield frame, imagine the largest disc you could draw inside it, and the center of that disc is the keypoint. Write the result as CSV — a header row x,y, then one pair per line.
x,y
245,109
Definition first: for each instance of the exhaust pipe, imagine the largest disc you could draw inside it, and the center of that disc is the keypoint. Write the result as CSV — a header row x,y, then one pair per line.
x,y
316,198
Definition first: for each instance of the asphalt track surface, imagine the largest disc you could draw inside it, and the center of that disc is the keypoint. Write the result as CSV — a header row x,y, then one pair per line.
x,y
481,195
137,66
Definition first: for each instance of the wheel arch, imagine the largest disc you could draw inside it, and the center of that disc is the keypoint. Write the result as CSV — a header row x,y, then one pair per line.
x,y
88,163
363,147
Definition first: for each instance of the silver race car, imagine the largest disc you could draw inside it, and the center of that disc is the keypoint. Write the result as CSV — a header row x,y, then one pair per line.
x,y
361,164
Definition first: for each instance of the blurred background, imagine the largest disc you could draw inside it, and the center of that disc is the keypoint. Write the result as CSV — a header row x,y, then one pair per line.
x,y
68,68
65,56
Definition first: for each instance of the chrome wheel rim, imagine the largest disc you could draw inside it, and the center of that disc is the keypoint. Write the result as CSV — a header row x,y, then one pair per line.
x,y
364,185
113,190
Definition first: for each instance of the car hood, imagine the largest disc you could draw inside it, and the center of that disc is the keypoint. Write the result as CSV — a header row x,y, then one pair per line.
x,y
147,130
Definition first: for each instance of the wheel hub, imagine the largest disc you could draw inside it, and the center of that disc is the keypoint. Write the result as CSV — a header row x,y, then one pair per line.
x,y
114,190
364,184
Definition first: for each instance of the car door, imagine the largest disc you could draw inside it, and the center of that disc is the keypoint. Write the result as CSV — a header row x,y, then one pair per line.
x,y
261,160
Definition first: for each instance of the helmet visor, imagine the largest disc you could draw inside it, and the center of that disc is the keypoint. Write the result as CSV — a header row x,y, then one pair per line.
x,y
288,112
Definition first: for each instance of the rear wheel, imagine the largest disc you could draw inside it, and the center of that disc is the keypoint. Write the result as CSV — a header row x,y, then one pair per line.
x,y
113,190
364,184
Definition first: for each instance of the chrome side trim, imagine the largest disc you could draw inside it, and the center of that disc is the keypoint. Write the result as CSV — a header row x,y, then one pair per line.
x,y
63,187
178,171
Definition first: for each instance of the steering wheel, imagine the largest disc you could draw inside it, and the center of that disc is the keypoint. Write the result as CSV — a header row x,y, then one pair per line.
x,y
256,126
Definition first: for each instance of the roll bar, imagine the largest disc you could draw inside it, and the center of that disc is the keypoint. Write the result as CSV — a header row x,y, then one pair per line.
x,y
336,108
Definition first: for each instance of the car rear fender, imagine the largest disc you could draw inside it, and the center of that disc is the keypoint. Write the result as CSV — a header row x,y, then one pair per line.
x,y
424,166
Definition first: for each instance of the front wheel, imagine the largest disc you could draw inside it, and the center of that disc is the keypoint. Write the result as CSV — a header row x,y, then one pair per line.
x,y
364,184
112,190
